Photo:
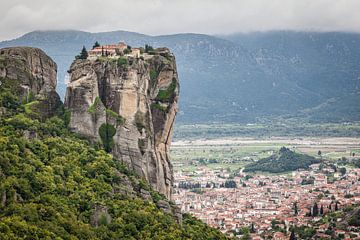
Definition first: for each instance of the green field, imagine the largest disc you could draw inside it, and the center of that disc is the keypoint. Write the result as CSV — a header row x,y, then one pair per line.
x,y
269,129
235,153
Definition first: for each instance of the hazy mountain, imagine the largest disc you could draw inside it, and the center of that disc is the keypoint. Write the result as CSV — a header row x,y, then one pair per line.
x,y
242,77
325,67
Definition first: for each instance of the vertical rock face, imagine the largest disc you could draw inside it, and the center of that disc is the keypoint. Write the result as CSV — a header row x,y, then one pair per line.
x,y
31,74
129,105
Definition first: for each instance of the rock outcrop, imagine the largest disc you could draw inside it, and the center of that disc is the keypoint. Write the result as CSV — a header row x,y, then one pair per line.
x,y
129,105
31,75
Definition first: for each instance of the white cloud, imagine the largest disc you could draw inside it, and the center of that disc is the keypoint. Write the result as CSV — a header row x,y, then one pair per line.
x,y
173,16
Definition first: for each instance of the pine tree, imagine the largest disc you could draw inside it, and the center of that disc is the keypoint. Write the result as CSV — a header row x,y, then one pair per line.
x,y
336,206
83,54
148,48
97,44
321,210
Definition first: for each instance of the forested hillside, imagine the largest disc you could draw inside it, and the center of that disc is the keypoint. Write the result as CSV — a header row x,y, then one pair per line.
x,y
55,185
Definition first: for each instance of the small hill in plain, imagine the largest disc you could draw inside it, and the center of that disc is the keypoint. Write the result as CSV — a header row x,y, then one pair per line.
x,y
283,161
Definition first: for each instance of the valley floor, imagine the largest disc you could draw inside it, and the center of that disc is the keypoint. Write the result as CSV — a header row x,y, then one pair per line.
x,y
203,167
234,153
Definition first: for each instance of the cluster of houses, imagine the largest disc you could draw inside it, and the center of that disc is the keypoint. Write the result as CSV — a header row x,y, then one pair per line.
x,y
114,51
260,199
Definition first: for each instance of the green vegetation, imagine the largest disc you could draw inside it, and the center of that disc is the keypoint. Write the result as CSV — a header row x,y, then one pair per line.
x,y
30,108
119,119
92,109
30,97
127,50
107,132
304,232
165,95
96,44
83,54
122,61
148,48
283,161
153,75
267,129
158,106
195,229
52,184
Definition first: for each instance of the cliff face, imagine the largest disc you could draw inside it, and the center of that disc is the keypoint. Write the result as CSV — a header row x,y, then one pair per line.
x,y
31,75
129,105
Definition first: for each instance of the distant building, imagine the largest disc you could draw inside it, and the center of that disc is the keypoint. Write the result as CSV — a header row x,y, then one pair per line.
x,y
109,50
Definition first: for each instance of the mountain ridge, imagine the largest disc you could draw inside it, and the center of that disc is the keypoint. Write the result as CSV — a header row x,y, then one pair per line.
x,y
242,78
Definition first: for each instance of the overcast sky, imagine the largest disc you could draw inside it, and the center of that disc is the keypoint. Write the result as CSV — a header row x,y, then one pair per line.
x,y
156,17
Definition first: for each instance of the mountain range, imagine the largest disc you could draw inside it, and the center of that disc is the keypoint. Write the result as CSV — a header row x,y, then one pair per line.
x,y
241,78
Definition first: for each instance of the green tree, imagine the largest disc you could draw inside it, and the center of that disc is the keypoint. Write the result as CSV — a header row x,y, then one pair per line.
x,y
252,230
148,48
96,44
319,153
315,210
292,235
342,171
83,54
296,210
107,132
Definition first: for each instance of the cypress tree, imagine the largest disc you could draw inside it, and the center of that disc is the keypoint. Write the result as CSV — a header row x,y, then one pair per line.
x,y
84,53
315,211
292,235
296,210
252,228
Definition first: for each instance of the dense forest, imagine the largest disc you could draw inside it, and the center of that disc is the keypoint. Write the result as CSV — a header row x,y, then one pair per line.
x,y
55,185
282,161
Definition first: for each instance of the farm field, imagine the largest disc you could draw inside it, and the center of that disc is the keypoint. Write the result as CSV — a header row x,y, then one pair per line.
x,y
234,153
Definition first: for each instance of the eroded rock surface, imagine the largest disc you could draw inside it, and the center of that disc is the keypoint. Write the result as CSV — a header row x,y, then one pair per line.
x,y
128,104
31,74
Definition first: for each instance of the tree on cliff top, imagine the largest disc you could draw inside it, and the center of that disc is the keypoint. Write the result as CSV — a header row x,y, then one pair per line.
x,y
97,44
83,54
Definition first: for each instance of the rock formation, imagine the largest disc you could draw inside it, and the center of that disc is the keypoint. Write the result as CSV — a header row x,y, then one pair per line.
x,y
31,74
129,105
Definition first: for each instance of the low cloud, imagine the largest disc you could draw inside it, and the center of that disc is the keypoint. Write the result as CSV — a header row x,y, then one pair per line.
x,y
175,16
